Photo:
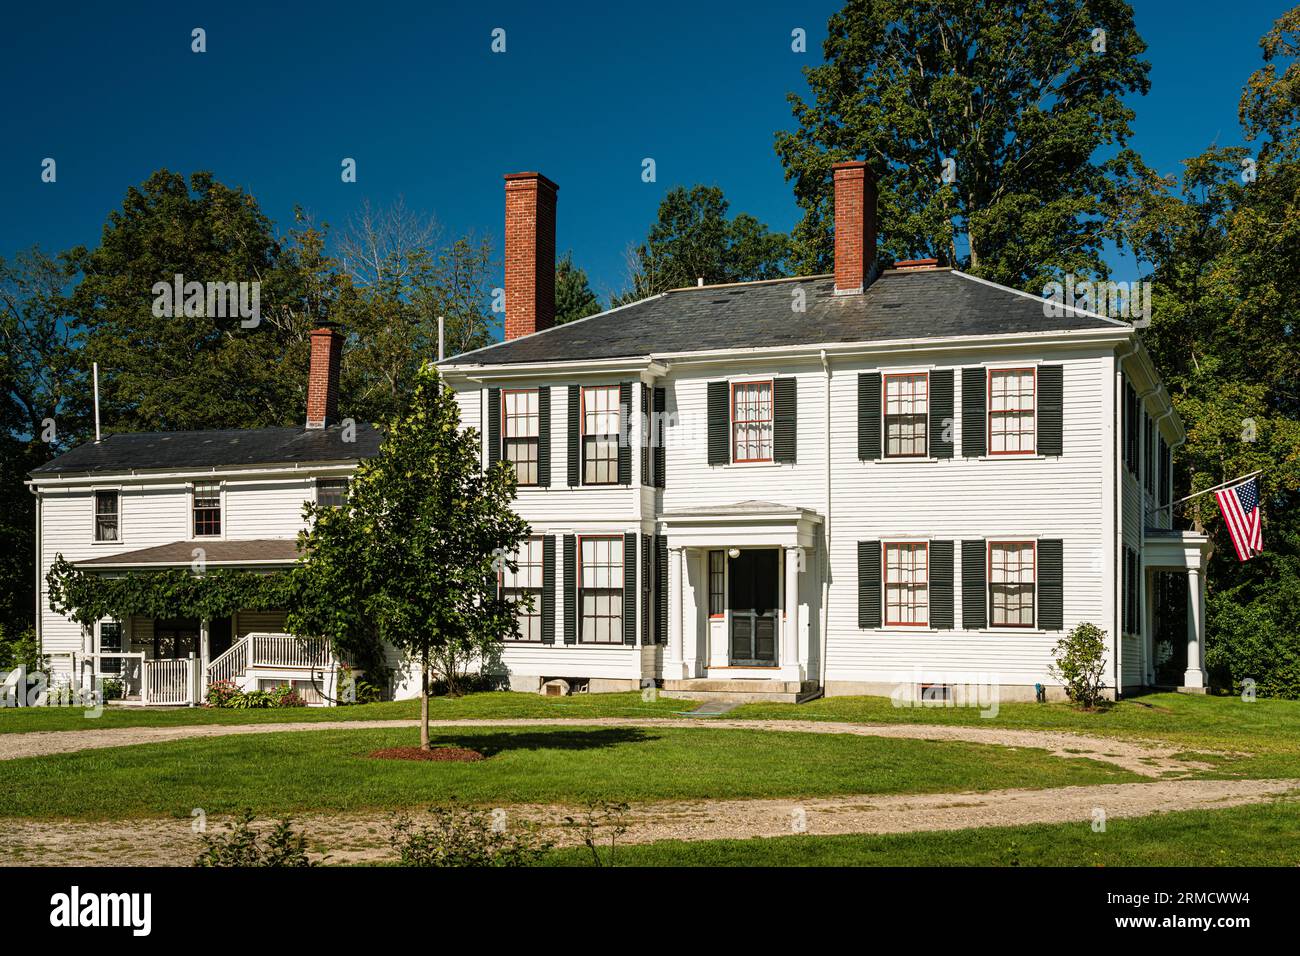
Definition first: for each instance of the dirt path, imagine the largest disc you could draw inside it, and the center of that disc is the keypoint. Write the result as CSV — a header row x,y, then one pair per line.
x,y
1147,759
363,838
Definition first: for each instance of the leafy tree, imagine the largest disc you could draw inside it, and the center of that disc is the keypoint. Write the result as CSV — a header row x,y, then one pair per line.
x,y
412,557
1019,95
573,296
1226,249
693,238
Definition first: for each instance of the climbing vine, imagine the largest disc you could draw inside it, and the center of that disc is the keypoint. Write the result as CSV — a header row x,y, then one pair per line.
x,y
87,596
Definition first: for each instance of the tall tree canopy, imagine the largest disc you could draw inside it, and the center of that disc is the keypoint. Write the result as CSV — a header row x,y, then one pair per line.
x,y
692,238
573,296
1024,98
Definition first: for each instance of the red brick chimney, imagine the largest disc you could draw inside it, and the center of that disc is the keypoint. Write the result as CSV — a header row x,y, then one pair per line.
x,y
323,380
855,226
530,254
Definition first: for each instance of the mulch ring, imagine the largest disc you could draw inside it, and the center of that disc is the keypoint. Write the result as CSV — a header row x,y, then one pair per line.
x,y
459,754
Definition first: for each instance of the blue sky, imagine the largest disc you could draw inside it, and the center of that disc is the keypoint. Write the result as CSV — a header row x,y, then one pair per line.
x,y
413,92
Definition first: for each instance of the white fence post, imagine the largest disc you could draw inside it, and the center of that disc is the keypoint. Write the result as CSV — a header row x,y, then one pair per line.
x,y
193,679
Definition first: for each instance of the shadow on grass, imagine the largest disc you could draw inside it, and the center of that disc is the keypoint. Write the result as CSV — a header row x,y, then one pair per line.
x,y
490,744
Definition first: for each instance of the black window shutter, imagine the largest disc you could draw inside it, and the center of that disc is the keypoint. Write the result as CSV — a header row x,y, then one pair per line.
x,y
570,589
974,588
719,424
548,589
1051,409
868,584
942,425
646,434
1051,584
785,420
1164,475
661,589
629,588
974,411
941,583
624,447
661,452
647,575
544,436
575,436
868,416
494,426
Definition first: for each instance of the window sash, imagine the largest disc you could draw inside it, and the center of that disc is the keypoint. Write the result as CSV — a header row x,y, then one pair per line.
x,y
523,582
717,583
601,430
1013,405
751,421
1012,583
600,590
106,515
331,492
207,509
906,415
907,583
520,432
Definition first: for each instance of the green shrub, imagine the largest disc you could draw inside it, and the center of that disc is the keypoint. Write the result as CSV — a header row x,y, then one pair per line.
x,y
461,836
1080,663
244,846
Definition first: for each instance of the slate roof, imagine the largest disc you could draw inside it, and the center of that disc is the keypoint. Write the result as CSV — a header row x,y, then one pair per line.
x,y
214,448
279,550
900,304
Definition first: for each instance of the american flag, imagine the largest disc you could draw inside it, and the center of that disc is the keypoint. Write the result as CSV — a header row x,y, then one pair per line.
x,y
1240,507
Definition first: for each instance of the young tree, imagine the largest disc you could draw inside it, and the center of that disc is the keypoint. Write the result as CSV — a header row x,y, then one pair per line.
x,y
692,238
996,131
412,558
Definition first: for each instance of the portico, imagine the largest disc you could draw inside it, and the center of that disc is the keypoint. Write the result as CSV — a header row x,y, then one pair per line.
x,y
1187,552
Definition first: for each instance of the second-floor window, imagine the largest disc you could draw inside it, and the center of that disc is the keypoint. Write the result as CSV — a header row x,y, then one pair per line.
x,y
331,492
106,516
207,509
907,583
751,421
600,435
907,404
601,597
521,434
1011,411
523,583
1011,583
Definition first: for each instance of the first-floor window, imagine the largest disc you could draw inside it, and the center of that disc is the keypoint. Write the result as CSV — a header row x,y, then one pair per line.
x,y
717,582
1011,583
907,403
524,583
1011,411
110,642
522,431
907,598
207,509
106,516
600,435
601,594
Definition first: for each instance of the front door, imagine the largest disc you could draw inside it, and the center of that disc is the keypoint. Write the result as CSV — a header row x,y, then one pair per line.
x,y
755,598
175,638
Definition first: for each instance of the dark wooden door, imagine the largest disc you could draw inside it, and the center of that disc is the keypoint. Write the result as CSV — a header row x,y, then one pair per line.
x,y
754,601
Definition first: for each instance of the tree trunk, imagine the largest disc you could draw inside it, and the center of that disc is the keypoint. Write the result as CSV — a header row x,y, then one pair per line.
x,y
424,699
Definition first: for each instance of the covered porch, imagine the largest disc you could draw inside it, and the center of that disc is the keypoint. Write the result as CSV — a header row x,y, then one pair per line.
x,y
743,593
1167,553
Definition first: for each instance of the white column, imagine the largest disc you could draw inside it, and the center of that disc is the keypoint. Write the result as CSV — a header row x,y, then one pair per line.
x,y
205,644
675,661
690,617
1195,674
790,637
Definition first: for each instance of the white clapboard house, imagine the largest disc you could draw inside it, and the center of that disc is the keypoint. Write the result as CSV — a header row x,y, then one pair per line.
x,y
900,480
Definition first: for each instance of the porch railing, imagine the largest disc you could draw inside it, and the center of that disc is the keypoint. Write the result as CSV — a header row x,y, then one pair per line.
x,y
230,664
284,650
168,681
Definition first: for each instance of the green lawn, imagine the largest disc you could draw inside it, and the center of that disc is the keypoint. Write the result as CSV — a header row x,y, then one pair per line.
x,y
328,771
1262,835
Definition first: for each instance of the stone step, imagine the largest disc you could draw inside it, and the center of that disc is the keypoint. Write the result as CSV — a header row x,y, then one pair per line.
x,y
742,690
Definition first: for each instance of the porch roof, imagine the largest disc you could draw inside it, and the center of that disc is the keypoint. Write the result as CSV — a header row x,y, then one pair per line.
x,y
178,553
762,523
1172,549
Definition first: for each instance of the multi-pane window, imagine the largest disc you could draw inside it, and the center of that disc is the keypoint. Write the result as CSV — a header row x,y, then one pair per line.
x,y
907,591
520,435
331,492
600,435
1011,411
717,583
526,582
207,509
1011,583
751,421
106,503
906,408
110,642
601,594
